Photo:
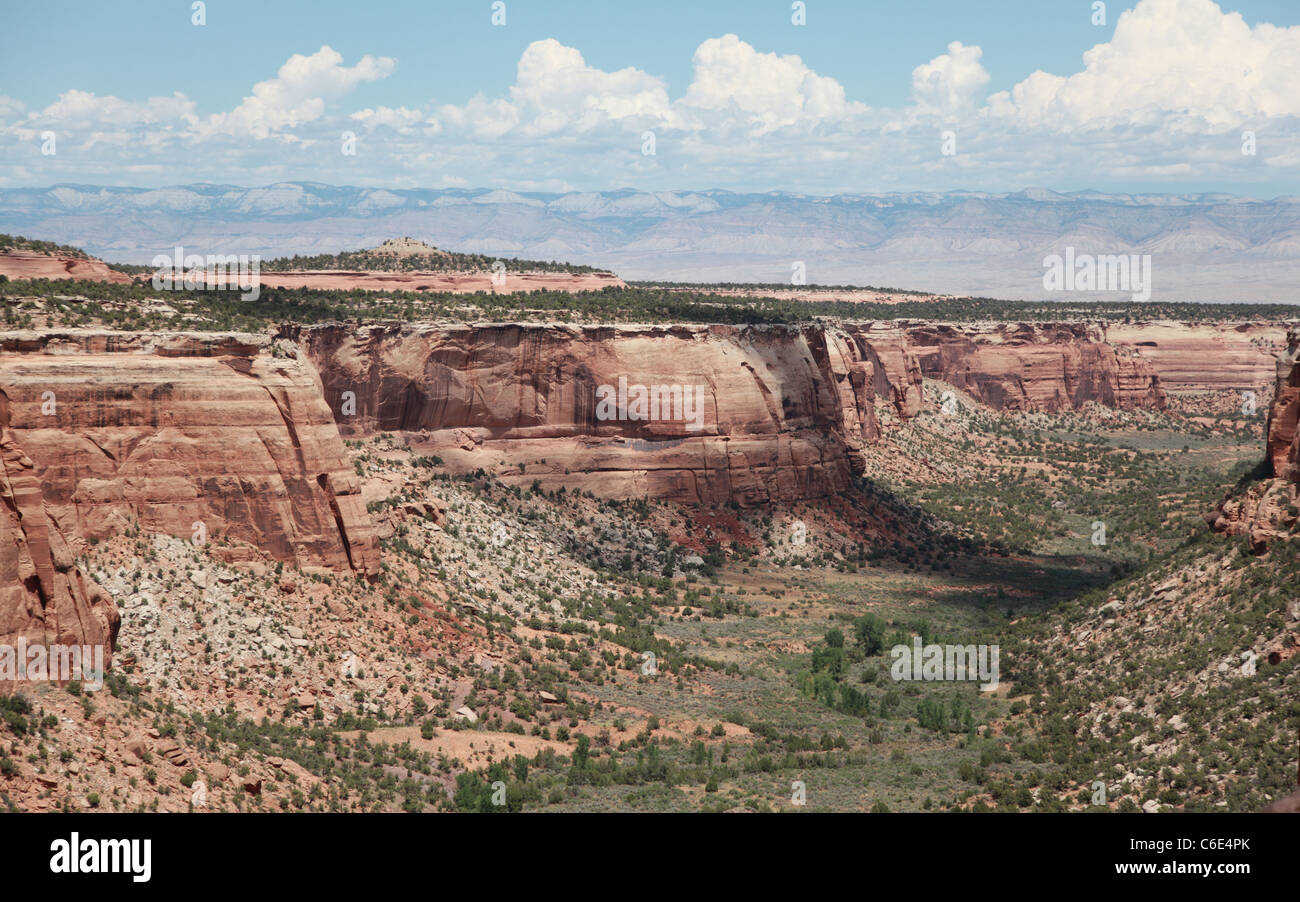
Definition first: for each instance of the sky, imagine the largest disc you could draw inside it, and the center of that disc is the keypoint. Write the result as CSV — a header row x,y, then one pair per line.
x,y
1179,96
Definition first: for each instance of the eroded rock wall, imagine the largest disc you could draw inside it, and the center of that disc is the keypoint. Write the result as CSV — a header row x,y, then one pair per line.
x,y
779,408
1265,510
1198,357
786,407
1048,367
169,431
1283,414
44,597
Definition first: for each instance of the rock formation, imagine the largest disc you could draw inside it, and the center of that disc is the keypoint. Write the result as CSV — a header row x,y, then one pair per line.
x,y
1194,357
1265,511
44,597
786,408
187,434
1283,436
31,265
767,413
1049,366
343,280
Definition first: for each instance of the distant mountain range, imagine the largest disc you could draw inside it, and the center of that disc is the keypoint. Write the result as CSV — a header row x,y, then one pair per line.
x,y
1211,247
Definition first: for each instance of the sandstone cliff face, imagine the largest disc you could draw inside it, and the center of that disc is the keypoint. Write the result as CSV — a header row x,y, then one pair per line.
x,y
1283,434
171,431
1193,357
779,408
44,598
785,411
896,370
1048,367
31,265
1264,511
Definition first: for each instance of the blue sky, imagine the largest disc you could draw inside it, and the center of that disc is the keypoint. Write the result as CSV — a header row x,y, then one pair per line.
x,y
735,94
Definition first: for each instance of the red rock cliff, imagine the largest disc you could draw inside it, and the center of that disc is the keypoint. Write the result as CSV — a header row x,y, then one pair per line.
x,y
31,265
44,598
1200,357
1051,367
780,407
1264,512
786,408
177,429
1283,434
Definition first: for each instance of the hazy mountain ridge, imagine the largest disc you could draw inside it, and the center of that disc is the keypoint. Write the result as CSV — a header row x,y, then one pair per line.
x,y
1203,246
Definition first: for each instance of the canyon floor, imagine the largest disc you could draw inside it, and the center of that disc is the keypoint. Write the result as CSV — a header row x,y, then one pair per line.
x,y
496,631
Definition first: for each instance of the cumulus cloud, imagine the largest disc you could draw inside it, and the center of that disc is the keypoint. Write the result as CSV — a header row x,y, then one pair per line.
x,y
1162,100
773,91
82,109
555,91
950,81
1184,59
298,93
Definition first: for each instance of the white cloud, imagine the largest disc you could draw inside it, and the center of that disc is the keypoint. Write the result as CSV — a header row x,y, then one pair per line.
x,y
82,109
556,92
1163,100
1167,60
10,108
298,93
951,80
772,91
399,119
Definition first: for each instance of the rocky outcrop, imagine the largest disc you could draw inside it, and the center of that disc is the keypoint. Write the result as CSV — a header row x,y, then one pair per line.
x,y
1283,435
30,265
767,413
1265,510
508,283
897,375
240,433
1197,357
196,436
1261,512
1050,367
45,599
785,409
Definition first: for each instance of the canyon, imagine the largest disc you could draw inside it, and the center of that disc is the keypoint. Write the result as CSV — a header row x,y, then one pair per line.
x,y
242,432
237,439
787,408
115,444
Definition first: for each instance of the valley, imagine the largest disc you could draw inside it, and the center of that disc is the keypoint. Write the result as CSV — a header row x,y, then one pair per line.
x,y
368,551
